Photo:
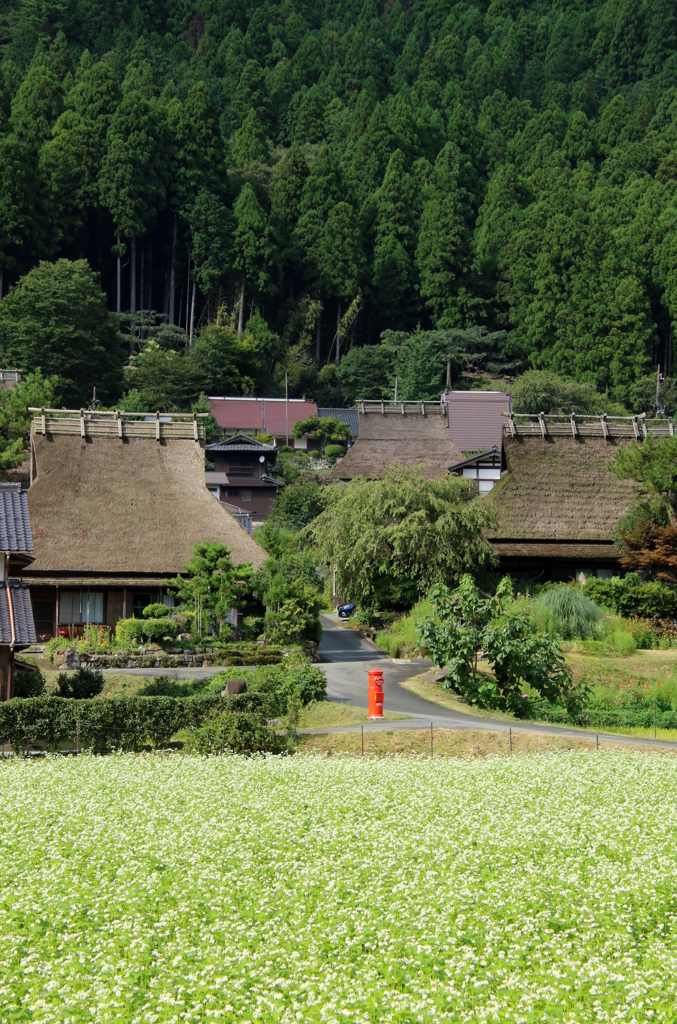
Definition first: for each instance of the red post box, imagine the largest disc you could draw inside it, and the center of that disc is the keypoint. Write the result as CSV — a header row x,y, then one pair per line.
x,y
375,693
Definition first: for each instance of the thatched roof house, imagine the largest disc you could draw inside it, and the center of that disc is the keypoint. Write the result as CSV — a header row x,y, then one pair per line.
x,y
558,505
117,506
406,433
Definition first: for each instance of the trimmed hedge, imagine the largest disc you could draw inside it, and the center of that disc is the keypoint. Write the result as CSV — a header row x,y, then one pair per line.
x,y
628,596
237,732
105,723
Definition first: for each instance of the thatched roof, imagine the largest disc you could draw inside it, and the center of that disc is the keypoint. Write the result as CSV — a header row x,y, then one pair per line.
x,y
105,506
409,435
558,497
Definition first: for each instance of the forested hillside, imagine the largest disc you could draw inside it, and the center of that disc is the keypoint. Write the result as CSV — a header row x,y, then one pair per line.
x,y
510,166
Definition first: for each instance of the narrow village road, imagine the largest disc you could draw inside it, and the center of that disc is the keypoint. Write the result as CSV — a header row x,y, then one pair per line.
x,y
347,656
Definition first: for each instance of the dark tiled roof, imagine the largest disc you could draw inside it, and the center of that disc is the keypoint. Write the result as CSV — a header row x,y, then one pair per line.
x,y
240,443
474,418
15,523
24,628
349,416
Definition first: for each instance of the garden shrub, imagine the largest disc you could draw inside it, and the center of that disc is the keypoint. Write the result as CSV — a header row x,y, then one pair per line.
x,y
269,687
80,684
156,611
252,626
568,612
155,630
108,723
127,631
28,683
164,687
334,451
237,732
629,596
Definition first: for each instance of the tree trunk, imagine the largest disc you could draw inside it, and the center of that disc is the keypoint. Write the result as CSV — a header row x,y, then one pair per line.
x,y
1,280
318,331
180,307
240,316
172,276
187,290
119,281
338,336
132,292
132,276
149,276
142,286
192,318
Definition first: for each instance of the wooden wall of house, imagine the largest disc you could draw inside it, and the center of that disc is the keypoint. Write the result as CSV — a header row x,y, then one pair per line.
x,y
115,606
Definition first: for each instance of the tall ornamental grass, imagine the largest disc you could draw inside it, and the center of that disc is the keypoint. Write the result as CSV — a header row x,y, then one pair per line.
x,y
568,613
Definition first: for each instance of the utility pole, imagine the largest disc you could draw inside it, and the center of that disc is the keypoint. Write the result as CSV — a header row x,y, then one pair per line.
x,y
395,390
338,335
286,407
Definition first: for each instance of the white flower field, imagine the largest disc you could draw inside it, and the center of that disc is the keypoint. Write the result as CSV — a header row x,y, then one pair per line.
x,y
170,888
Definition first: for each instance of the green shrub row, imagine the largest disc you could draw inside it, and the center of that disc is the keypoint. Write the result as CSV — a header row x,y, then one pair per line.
x,y
629,596
152,631
268,688
237,732
104,723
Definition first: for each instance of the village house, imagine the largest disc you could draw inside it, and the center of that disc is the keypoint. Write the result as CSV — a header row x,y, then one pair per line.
x,y
117,504
274,417
243,474
410,434
557,504
17,630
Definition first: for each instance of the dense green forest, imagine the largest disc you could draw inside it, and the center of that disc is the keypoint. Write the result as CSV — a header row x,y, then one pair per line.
x,y
252,175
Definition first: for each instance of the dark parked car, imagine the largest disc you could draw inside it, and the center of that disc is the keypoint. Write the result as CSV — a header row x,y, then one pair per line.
x,y
346,610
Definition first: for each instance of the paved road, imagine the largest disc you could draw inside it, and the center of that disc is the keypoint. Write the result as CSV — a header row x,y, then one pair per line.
x,y
347,657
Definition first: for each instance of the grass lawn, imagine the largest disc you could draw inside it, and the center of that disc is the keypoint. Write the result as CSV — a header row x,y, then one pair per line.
x,y
446,743
192,889
325,714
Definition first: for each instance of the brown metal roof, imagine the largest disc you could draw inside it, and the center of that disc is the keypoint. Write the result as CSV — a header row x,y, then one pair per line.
x,y
474,418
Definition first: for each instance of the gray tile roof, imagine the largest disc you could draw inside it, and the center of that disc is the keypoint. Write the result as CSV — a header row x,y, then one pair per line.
x,y
240,443
24,627
348,416
15,524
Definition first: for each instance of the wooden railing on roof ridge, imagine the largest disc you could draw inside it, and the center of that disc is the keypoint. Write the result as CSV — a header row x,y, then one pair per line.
x,y
580,425
116,423
401,408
